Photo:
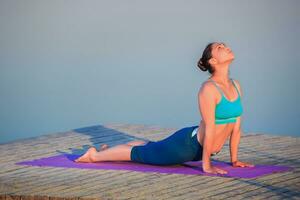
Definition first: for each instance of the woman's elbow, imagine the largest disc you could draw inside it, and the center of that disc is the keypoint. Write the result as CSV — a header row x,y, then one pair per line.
x,y
236,132
210,129
209,134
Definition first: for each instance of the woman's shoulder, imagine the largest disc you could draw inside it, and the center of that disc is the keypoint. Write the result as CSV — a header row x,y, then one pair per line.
x,y
238,85
206,85
208,88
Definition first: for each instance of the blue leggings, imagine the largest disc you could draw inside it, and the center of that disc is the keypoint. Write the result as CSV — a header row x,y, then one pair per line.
x,y
178,148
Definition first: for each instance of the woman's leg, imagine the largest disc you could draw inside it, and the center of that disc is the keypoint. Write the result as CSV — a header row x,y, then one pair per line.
x,y
132,143
117,153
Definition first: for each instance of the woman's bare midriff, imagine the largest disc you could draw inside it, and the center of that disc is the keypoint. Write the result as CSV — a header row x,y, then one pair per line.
x,y
222,133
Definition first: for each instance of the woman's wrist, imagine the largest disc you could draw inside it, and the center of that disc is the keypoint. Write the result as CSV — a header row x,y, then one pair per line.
x,y
234,162
206,165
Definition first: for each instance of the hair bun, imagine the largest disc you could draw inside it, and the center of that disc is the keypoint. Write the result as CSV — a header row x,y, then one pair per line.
x,y
201,65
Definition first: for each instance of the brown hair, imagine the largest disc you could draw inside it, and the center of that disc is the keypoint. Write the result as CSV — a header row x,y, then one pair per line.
x,y
203,63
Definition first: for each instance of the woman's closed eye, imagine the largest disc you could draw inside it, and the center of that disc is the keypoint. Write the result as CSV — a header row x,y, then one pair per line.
x,y
221,45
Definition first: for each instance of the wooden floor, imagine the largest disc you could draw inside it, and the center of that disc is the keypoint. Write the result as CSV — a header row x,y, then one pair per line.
x,y
32,182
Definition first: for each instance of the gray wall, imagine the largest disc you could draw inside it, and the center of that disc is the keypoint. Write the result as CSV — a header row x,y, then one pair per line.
x,y
70,64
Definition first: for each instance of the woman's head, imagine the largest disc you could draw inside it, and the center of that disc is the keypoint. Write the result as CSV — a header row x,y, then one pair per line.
x,y
215,55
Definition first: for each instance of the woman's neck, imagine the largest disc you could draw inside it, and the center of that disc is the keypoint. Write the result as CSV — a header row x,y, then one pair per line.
x,y
221,76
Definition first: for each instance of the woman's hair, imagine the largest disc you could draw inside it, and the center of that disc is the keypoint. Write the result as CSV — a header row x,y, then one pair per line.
x,y
203,63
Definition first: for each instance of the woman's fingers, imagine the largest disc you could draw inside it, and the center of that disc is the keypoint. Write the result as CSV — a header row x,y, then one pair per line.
x,y
242,164
215,170
249,165
221,171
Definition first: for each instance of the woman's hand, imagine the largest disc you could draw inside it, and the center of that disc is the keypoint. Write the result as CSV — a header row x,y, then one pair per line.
x,y
241,164
214,170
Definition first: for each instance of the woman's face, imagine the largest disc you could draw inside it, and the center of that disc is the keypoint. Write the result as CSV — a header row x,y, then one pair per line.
x,y
221,53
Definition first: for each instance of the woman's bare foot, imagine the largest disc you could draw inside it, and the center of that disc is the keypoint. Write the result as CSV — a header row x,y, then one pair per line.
x,y
87,156
103,147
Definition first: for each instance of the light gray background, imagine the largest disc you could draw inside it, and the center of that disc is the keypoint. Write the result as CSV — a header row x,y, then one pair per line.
x,y
70,64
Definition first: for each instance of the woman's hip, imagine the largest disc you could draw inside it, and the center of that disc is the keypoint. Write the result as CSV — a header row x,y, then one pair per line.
x,y
175,149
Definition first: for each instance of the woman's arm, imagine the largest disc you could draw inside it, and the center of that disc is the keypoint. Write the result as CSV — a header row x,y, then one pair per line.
x,y
234,143
207,147
235,140
236,133
207,103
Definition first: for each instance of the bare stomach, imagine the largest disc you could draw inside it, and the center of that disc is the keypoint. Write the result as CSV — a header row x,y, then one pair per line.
x,y
222,133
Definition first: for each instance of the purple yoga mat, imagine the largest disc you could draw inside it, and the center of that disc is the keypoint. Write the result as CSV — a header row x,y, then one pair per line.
x,y
188,168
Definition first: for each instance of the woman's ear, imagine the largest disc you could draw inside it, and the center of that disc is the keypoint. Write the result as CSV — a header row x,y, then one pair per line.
x,y
213,61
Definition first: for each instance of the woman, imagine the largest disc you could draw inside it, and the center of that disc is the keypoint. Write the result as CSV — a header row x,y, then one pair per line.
x,y
220,107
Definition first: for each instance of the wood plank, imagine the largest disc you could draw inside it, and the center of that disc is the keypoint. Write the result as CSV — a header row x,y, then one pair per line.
x,y
33,182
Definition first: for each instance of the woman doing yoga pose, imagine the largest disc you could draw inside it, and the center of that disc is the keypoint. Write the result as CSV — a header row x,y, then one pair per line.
x,y
219,100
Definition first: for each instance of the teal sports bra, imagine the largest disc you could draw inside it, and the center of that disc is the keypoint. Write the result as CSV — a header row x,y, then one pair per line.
x,y
227,111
